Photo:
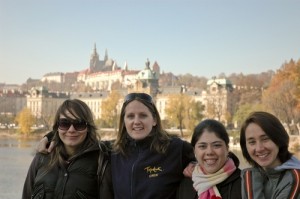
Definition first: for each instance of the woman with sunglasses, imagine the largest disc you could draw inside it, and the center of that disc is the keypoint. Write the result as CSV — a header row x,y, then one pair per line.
x,y
146,161
78,165
275,172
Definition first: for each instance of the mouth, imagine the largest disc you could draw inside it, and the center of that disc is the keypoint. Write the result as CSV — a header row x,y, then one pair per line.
x,y
210,162
138,129
262,156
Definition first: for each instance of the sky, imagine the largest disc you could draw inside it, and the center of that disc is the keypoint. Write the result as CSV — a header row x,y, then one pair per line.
x,y
199,37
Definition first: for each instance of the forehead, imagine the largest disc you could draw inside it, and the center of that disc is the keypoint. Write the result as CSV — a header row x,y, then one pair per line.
x,y
209,136
67,114
136,106
254,130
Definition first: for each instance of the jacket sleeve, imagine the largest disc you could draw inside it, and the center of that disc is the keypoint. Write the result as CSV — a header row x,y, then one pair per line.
x,y
31,174
187,154
106,187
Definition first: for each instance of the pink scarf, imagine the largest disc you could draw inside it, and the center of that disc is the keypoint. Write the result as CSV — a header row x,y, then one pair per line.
x,y
205,184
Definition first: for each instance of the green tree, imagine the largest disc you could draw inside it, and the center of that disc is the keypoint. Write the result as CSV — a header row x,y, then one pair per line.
x,y
25,119
109,110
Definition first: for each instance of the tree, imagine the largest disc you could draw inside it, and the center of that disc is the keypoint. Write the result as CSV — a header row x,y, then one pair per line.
x,y
214,107
25,119
183,111
244,110
109,107
282,97
175,110
283,102
193,115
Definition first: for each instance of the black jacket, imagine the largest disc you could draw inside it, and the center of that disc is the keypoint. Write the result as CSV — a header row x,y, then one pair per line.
x,y
229,188
78,179
146,174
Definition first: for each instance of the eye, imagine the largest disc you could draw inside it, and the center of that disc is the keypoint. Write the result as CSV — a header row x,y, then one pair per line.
x,y
143,115
251,142
217,146
265,139
201,146
130,116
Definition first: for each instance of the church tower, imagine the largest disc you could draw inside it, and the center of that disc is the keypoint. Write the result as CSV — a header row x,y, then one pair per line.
x,y
146,81
94,61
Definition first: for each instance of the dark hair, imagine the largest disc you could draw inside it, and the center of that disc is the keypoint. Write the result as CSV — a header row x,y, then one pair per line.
x,y
161,138
273,128
216,127
80,111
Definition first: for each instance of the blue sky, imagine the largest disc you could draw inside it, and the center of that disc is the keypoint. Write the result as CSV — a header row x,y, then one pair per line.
x,y
200,37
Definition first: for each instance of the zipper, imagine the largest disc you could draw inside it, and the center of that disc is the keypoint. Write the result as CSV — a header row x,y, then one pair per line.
x,y
133,170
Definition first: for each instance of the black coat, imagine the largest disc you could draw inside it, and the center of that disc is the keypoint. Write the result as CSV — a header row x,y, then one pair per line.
x,y
78,179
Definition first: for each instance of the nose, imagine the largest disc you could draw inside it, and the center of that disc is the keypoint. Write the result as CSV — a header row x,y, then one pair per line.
x,y
259,146
209,150
136,119
71,128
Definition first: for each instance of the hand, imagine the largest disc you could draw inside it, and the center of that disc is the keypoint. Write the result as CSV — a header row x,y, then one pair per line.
x,y
188,171
42,146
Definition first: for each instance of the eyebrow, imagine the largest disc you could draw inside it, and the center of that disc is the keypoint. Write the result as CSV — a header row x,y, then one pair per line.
x,y
261,136
215,142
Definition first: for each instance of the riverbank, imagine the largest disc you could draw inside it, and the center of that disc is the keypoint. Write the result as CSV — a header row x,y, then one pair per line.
x,y
12,133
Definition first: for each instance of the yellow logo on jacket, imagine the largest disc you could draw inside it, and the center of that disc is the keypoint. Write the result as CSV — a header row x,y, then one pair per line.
x,y
153,171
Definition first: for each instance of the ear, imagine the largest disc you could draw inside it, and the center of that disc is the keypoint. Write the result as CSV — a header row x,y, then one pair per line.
x,y
154,122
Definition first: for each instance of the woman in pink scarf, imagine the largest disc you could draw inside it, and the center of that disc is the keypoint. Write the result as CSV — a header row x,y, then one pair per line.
x,y
216,174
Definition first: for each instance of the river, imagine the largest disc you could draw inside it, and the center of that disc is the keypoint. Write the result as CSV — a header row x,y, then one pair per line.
x,y
15,157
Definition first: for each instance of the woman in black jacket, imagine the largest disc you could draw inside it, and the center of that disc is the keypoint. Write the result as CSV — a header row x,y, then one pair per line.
x,y
78,167
216,174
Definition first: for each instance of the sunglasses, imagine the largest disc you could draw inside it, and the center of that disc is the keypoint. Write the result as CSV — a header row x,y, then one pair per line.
x,y
142,96
64,124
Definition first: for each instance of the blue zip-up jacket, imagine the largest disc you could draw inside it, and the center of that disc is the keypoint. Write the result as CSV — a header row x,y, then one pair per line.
x,y
146,174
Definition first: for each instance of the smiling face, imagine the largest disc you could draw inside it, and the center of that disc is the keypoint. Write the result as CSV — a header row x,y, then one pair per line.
x,y
211,152
260,147
138,120
71,138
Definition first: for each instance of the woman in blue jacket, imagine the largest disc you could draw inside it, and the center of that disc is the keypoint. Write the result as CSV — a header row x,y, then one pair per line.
x,y
146,161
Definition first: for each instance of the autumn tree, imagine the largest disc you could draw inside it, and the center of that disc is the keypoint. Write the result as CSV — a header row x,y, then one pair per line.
x,y
175,110
244,110
25,119
214,108
109,110
194,114
183,111
283,94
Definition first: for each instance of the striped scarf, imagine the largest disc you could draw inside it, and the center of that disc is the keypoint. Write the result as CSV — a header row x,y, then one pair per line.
x,y
205,184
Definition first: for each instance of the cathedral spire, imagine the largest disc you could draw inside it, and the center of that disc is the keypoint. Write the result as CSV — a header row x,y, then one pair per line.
x,y
106,55
95,54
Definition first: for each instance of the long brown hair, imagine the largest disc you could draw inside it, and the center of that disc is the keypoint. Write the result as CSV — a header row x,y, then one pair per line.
x,y
80,111
161,139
